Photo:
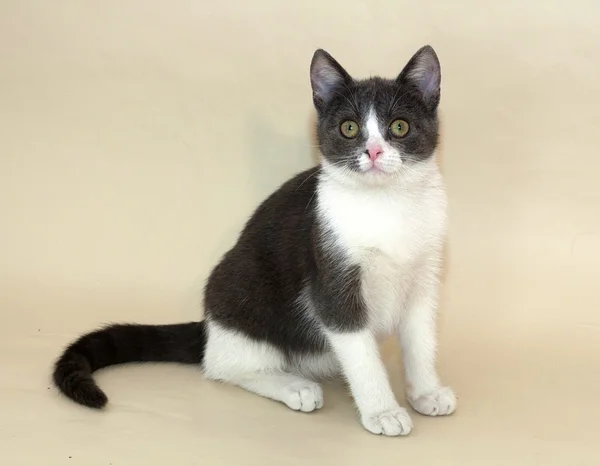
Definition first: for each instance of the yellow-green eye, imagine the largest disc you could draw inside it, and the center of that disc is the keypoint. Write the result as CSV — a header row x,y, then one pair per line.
x,y
349,129
399,128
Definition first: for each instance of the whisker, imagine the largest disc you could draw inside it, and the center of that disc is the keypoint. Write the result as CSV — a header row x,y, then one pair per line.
x,y
393,101
349,101
397,101
308,178
310,200
353,95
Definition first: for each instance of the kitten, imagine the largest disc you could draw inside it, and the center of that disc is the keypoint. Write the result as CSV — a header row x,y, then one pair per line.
x,y
339,257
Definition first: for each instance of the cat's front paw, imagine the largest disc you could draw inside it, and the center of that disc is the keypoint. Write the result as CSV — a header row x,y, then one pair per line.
x,y
439,402
391,422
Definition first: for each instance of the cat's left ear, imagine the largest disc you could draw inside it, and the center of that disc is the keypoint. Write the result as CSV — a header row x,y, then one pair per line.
x,y
423,73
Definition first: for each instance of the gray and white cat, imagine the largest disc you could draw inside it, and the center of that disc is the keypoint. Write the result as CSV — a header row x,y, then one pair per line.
x,y
339,257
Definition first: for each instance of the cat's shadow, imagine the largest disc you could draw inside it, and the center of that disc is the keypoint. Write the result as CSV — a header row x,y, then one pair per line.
x,y
276,157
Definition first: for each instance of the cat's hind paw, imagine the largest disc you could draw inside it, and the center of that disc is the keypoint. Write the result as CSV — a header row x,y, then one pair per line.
x,y
304,395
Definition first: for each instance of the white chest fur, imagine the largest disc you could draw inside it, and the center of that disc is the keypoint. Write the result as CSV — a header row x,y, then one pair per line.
x,y
388,231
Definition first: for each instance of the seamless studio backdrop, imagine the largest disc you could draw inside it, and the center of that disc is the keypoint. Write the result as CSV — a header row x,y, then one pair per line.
x,y
137,136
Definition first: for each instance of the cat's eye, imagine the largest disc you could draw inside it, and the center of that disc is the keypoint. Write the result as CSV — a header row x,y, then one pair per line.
x,y
399,128
349,129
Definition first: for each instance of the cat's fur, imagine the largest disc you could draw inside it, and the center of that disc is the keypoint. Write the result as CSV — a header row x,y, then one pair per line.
x,y
337,258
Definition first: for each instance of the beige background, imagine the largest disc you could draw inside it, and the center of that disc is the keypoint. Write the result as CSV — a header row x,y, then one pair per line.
x,y
137,136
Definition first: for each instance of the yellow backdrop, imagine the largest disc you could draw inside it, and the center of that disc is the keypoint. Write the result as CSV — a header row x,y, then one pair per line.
x,y
137,136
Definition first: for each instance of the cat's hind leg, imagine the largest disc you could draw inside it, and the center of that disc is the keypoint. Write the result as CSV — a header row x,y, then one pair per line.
x,y
258,367
295,392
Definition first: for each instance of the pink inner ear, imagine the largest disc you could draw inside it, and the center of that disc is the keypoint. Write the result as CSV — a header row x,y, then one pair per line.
x,y
429,81
326,80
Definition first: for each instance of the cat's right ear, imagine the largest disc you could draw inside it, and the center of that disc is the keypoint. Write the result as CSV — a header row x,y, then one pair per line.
x,y
326,77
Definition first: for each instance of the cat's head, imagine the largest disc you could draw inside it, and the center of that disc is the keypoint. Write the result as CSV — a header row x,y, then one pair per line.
x,y
372,129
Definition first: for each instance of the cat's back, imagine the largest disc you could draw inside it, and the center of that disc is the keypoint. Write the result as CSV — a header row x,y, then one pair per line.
x,y
288,208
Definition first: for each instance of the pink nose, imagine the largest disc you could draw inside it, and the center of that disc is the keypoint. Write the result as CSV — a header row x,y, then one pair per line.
x,y
374,151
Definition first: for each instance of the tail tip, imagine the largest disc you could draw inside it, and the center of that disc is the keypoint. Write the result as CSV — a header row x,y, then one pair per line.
x,y
92,398
85,392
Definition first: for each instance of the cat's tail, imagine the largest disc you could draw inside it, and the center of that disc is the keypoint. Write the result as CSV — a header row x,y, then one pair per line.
x,y
123,343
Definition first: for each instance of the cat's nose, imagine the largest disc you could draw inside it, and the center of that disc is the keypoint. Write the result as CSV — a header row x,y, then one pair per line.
x,y
374,151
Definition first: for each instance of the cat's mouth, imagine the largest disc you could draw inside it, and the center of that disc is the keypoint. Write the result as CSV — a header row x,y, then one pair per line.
x,y
376,169
379,167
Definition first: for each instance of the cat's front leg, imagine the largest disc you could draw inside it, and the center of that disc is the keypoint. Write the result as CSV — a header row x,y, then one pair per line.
x,y
418,340
342,311
358,353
